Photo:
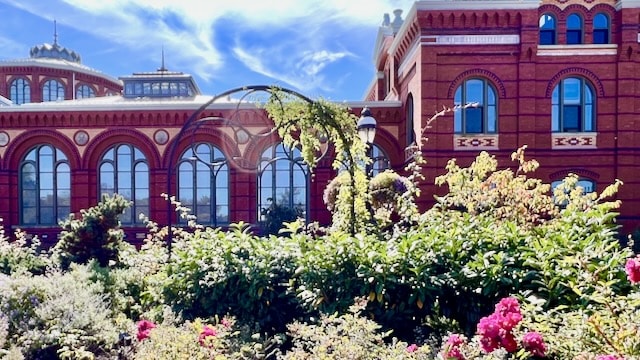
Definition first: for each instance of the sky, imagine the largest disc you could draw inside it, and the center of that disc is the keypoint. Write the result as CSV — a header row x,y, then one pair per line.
x,y
321,48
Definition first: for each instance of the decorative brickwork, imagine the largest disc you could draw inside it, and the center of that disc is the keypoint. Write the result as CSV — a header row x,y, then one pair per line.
x,y
574,140
475,142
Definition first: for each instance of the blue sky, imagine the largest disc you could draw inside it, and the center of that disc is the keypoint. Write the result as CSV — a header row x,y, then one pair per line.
x,y
322,48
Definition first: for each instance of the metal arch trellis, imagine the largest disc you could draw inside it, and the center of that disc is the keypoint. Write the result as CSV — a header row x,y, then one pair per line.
x,y
194,122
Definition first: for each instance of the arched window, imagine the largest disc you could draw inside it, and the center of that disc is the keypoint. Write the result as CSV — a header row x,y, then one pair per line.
x,y
52,91
547,28
124,170
84,92
601,29
481,118
573,106
574,29
20,91
380,160
411,134
45,186
283,179
587,185
203,184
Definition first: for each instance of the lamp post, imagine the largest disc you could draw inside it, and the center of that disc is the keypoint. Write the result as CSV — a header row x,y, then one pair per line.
x,y
367,133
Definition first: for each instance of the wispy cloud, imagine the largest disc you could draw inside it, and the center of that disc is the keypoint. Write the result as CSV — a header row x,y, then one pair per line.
x,y
293,41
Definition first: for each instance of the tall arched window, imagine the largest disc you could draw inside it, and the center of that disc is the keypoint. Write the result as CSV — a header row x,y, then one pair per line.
x,y
481,118
547,28
601,29
52,91
574,29
573,106
283,179
380,160
20,91
84,92
45,186
203,184
411,134
124,170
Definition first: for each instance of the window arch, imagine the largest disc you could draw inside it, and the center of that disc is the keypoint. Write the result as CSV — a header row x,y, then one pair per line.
x,y
601,29
283,179
20,91
52,90
574,29
45,186
411,134
547,28
124,170
203,184
479,119
380,160
84,92
573,106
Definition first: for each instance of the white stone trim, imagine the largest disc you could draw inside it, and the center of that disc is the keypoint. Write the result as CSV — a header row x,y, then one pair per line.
x,y
477,4
510,39
576,50
407,59
627,4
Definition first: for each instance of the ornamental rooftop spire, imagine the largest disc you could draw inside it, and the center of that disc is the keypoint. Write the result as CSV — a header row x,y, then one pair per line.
x,y
55,51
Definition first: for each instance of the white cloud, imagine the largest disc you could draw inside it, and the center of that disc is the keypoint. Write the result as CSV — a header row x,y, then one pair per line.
x,y
297,41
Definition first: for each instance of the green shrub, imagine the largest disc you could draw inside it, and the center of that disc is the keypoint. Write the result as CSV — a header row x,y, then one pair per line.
x,y
212,272
59,314
21,255
348,336
97,235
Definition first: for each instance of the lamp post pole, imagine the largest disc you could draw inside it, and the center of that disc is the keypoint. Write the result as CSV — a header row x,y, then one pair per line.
x,y
367,133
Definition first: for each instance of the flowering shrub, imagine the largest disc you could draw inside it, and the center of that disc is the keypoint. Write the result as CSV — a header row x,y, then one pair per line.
x,y
21,254
59,314
190,341
349,336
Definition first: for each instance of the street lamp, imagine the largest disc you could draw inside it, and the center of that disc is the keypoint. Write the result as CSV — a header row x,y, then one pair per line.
x,y
367,133
367,127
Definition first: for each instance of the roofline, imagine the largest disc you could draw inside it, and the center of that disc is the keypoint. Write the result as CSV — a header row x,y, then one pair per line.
x,y
59,64
70,106
423,5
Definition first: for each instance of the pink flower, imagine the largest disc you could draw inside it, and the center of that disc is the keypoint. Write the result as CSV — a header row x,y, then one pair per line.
x,y
633,269
225,323
495,329
452,347
509,309
533,343
207,331
509,343
412,348
608,357
144,329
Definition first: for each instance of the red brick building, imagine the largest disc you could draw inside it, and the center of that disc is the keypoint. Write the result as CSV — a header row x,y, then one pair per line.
x,y
558,76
